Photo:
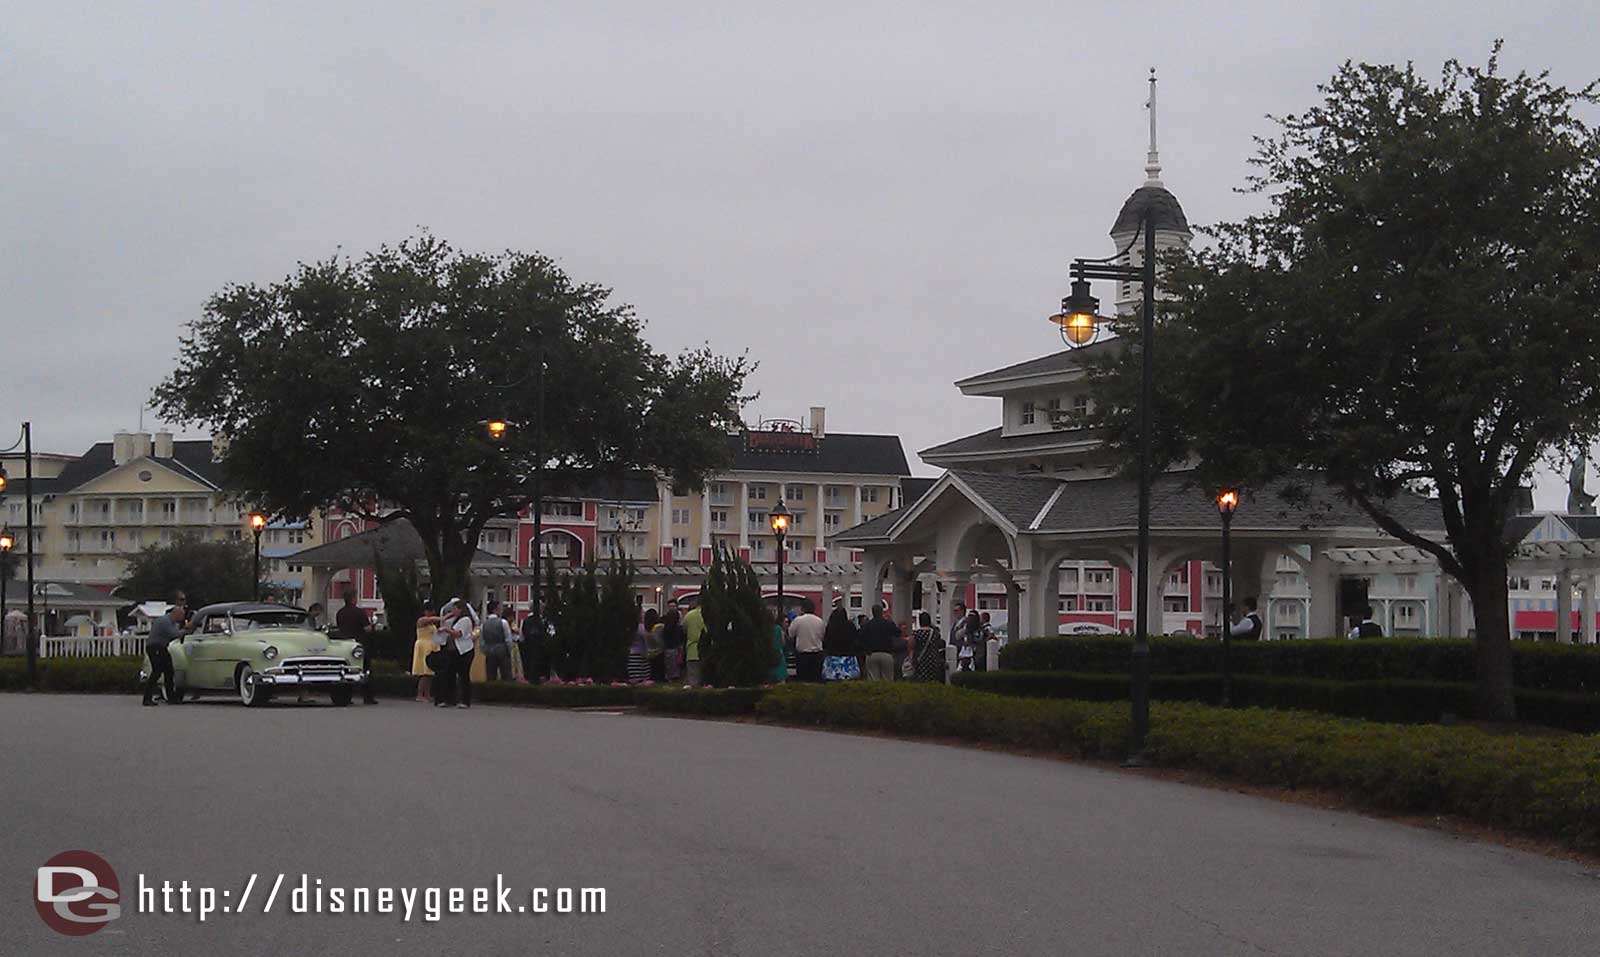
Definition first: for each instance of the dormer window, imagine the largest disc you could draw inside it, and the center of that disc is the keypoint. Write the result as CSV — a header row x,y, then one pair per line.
x,y
1027,413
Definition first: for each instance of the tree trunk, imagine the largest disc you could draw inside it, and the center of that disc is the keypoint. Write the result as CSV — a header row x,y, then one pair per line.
x,y
1497,700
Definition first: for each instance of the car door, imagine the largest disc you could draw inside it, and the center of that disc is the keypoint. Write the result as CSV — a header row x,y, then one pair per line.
x,y
207,648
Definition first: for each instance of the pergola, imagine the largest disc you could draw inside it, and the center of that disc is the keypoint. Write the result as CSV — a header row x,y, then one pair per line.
x,y
1020,528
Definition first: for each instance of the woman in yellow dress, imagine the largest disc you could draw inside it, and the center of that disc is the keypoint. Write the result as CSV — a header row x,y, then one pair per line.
x,y
424,646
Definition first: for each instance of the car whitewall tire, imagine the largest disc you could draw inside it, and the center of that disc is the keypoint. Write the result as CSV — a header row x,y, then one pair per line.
x,y
250,693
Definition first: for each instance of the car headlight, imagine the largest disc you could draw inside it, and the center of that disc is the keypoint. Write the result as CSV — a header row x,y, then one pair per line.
x,y
356,652
270,652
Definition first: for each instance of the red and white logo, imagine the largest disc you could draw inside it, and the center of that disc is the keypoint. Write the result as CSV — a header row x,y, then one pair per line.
x,y
77,893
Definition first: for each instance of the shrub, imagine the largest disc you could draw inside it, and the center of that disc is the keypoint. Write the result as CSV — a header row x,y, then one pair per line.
x,y
1544,786
1537,666
1385,700
737,647
701,701
80,675
396,685
594,616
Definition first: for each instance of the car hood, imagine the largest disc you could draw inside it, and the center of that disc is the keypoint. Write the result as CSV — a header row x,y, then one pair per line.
x,y
294,642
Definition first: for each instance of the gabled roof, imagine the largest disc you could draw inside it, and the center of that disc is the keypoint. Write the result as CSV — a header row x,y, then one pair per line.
x,y
914,487
1067,360
874,529
189,458
835,453
395,542
992,441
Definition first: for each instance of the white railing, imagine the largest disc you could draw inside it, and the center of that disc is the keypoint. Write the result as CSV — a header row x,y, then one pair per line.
x,y
100,646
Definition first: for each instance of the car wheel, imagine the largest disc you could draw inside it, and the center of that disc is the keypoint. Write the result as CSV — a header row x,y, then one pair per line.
x,y
250,693
342,697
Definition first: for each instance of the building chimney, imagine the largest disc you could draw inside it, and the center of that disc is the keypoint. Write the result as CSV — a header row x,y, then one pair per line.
x,y
819,421
143,445
121,448
163,446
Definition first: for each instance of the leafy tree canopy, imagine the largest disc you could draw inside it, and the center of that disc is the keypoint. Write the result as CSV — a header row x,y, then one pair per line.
x,y
207,572
366,383
1419,308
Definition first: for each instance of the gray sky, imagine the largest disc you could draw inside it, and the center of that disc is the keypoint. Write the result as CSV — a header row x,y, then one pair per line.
x,y
874,199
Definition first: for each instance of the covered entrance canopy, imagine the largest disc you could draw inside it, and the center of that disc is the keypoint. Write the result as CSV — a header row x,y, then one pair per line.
x,y
1020,528
395,544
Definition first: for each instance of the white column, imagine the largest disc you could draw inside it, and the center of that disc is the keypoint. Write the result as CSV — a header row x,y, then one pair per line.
x,y
705,518
663,520
1586,608
1564,605
1322,580
744,516
855,518
822,511
871,586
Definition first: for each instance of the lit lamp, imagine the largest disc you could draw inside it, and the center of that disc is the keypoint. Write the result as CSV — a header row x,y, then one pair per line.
x,y
496,429
779,519
258,524
1227,501
1079,316
3,480
6,544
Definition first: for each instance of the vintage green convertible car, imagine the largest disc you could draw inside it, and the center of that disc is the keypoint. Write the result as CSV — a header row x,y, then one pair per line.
x,y
253,649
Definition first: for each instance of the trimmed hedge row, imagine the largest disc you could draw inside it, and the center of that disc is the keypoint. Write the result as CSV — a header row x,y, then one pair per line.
x,y
401,685
1538,666
1402,701
1548,786
718,702
77,675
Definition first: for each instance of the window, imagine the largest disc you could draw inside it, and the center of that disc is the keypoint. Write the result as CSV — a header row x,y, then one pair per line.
x,y
760,547
108,538
1214,583
719,519
680,516
758,493
1288,612
563,509
1405,615
295,569
1055,411
1175,580
72,511
757,520
1177,604
556,546
869,494
1080,408
1066,603
135,539
794,493
136,511
1406,584
831,522
1096,604
1098,579
169,511
794,548
680,548
1027,413
73,541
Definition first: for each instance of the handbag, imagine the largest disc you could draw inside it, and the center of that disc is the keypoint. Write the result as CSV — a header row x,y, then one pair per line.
x,y
435,661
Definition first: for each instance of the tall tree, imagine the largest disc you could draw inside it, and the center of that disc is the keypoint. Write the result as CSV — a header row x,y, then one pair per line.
x,y
365,384
206,571
1419,308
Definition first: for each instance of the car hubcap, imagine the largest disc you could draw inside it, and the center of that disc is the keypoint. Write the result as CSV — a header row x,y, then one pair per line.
x,y
247,685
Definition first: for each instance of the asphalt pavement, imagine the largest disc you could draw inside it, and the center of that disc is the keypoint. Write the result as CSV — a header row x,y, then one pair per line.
x,y
714,838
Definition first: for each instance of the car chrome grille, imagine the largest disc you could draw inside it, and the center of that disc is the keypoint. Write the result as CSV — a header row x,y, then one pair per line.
x,y
312,666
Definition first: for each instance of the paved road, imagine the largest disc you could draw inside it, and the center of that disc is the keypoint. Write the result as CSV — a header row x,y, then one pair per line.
x,y
717,838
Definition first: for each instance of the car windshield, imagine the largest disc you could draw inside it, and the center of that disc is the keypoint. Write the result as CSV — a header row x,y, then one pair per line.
x,y
285,618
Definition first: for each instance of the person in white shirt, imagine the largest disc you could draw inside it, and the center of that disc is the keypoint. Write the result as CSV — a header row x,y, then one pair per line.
x,y
456,632
1249,626
807,631
1368,628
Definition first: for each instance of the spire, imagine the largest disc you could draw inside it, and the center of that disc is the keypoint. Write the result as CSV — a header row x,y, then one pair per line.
x,y
1152,162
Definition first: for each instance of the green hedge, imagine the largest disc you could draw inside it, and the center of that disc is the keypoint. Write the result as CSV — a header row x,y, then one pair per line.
x,y
1402,701
1538,666
702,701
1548,786
80,675
399,685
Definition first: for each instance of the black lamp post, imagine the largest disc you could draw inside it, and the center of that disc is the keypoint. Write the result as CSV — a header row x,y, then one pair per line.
x,y
779,519
258,524
27,466
6,541
1227,501
498,429
1080,325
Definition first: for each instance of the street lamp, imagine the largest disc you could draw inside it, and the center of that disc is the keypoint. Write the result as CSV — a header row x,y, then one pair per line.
x,y
6,542
26,441
779,520
496,429
258,524
1227,501
1080,325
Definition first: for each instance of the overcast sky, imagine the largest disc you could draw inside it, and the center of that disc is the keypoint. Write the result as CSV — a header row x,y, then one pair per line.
x,y
874,199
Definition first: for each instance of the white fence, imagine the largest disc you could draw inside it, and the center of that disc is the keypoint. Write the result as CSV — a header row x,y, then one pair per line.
x,y
103,646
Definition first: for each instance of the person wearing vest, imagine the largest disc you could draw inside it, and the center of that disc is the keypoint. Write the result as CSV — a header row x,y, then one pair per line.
x,y
1368,628
495,638
1249,626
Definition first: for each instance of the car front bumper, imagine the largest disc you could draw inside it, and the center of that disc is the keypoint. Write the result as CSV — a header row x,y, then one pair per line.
x,y
286,678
